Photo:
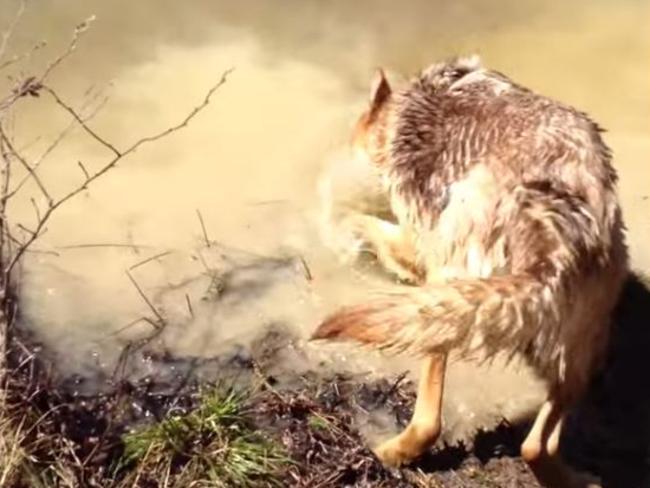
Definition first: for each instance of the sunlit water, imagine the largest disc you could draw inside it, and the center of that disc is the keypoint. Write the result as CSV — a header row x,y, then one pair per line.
x,y
249,163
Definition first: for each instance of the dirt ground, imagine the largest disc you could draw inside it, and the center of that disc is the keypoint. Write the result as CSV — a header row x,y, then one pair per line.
x,y
319,418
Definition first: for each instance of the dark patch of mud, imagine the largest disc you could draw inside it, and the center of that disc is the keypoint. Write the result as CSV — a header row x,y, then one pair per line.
x,y
318,426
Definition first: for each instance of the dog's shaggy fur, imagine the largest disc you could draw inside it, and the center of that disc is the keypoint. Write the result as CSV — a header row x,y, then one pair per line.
x,y
508,223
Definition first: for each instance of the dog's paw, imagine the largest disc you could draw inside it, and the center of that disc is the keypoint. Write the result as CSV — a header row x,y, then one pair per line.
x,y
391,454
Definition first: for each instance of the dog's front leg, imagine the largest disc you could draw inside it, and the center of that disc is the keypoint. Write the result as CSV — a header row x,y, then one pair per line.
x,y
393,245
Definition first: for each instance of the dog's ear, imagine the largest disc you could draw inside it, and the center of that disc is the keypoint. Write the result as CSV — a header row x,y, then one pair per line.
x,y
379,91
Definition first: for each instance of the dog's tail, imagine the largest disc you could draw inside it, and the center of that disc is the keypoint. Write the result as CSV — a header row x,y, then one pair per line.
x,y
467,316
553,241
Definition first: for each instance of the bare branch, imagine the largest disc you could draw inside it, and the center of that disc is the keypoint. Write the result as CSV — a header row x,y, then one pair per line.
x,y
33,84
14,153
81,122
4,230
25,229
7,244
190,116
12,238
19,57
57,140
79,30
118,156
91,96
6,170
6,35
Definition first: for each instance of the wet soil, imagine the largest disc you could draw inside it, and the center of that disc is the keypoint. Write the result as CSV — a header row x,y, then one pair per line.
x,y
319,417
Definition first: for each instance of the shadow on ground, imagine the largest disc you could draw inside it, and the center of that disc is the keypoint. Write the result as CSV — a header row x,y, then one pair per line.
x,y
609,432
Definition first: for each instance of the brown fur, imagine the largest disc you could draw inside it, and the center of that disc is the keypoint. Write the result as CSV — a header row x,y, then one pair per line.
x,y
507,210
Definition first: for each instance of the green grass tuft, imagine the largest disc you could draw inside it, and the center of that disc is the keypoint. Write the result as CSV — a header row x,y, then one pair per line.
x,y
317,422
212,445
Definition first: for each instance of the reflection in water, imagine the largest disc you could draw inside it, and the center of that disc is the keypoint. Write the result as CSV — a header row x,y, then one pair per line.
x,y
250,162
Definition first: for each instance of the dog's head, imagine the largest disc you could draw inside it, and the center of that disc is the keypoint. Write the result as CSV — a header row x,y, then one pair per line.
x,y
369,133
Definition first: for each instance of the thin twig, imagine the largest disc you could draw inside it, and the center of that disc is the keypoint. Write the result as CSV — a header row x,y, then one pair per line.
x,y
189,305
186,120
146,300
79,30
83,168
82,122
6,35
205,232
6,170
36,210
43,251
12,238
55,143
33,84
26,165
128,326
19,57
393,388
305,267
26,229
109,244
132,346
4,230
148,260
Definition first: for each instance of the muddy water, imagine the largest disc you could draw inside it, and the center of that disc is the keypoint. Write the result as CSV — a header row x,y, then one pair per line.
x,y
250,162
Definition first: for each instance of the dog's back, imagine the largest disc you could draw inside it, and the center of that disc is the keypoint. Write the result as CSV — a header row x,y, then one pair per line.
x,y
457,116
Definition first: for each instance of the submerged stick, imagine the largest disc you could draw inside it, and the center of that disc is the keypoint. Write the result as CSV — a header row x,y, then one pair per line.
x,y
142,294
148,260
205,232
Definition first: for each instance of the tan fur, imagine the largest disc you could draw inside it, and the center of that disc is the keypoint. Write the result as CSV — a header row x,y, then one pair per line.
x,y
507,219
424,428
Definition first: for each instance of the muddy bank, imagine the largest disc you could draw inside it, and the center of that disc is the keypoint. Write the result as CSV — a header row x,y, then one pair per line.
x,y
325,420
320,419
220,307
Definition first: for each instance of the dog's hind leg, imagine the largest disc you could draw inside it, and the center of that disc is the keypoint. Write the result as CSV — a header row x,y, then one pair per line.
x,y
424,428
541,451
